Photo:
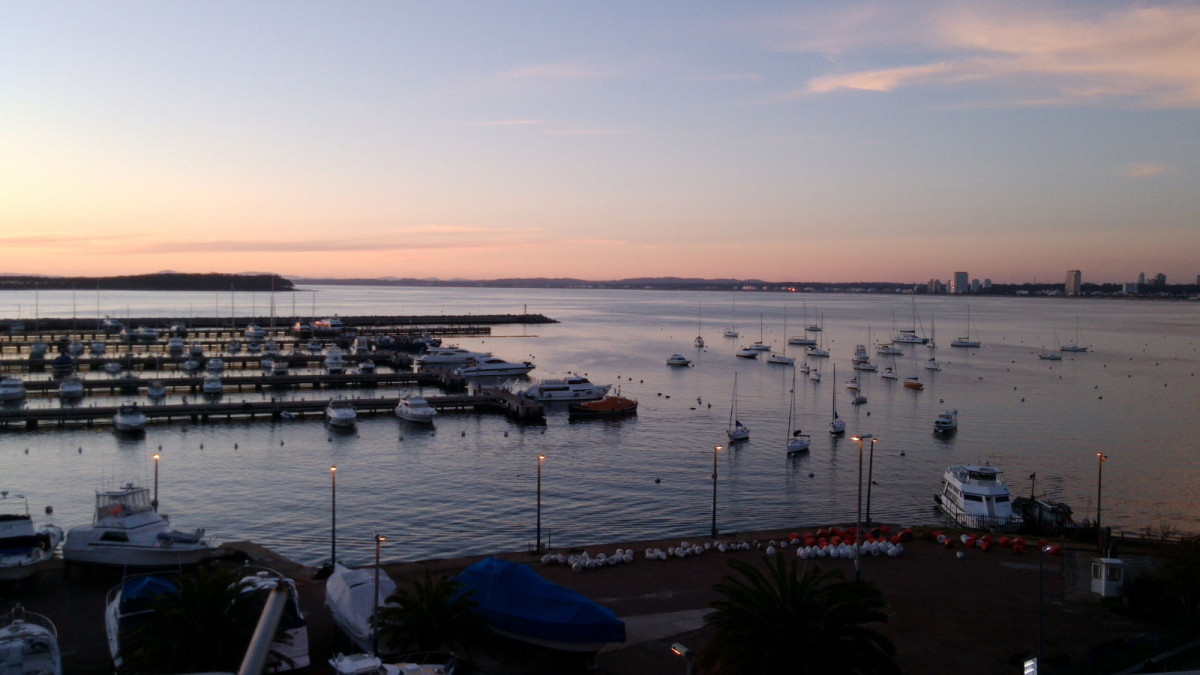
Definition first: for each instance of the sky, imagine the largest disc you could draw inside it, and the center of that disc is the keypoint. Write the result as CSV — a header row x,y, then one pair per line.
x,y
785,141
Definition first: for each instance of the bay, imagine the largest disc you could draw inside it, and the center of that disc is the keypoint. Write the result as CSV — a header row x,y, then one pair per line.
x,y
468,486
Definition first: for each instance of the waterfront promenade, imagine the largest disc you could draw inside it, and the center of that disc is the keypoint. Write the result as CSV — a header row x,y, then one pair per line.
x,y
976,614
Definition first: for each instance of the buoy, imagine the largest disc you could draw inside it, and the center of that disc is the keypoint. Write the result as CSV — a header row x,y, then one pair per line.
x,y
961,555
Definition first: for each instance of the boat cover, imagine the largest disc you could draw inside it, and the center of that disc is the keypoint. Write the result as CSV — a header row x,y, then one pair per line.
x,y
348,596
514,598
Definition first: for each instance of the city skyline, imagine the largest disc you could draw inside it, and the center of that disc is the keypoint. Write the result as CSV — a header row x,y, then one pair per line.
x,y
776,140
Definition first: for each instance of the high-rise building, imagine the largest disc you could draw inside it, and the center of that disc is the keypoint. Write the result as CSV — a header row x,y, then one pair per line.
x,y
958,285
1074,282
975,286
1142,279
1160,279
987,283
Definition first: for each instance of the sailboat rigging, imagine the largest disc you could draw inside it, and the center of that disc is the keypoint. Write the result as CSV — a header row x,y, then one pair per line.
x,y
736,431
836,425
783,359
796,441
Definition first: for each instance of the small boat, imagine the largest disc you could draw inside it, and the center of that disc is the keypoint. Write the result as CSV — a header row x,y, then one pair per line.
x,y
190,365
254,333
913,383
62,366
179,329
1050,356
865,366
910,336
796,440
747,353
965,340
946,421
75,348
23,549
736,430
817,352
860,354
215,365
977,497
254,347
496,367
836,425
12,389
782,358
887,348
609,406
340,413
28,644
573,388
450,356
858,399
97,348
889,374
290,649
519,604
70,389
334,363
156,389
112,367
415,409
233,346
350,595
175,346
127,531
366,367
814,375
266,365
280,367
212,386
678,360
932,364
315,345
1077,345
129,418
146,334
852,384
111,326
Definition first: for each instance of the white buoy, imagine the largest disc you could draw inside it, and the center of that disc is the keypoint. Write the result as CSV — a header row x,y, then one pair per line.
x,y
770,551
961,555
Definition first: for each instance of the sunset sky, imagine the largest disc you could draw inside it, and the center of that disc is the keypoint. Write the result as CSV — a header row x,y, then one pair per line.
x,y
891,141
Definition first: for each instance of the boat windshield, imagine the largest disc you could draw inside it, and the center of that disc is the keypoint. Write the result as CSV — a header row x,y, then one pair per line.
x,y
123,503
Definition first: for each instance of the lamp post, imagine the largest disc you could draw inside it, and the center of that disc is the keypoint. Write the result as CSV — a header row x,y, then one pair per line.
x,y
333,517
1100,456
858,520
870,473
379,539
1041,658
539,504
155,502
716,449
679,650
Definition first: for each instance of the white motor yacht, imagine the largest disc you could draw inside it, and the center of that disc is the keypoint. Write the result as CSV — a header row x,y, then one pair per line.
x,y
415,409
190,365
340,413
28,644
254,333
817,352
12,389
860,354
334,363
573,388
212,386
146,334
23,549
233,346
977,497
889,374
75,348
350,595
127,531
814,375
129,418
678,360
215,365
70,388
450,357
175,346
946,421
495,367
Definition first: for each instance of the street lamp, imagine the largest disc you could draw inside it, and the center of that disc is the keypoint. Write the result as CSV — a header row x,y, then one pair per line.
x,y
539,504
870,473
716,449
1041,659
155,502
858,521
379,539
679,650
333,517
1100,456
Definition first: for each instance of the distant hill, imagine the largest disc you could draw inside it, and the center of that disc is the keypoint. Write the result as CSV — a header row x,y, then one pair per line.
x,y
163,281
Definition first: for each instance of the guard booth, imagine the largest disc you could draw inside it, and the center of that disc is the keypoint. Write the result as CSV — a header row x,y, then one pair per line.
x,y
1108,577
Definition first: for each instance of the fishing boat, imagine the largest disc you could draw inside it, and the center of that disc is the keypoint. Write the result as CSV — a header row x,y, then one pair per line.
x,y
736,431
678,360
415,409
24,549
836,425
129,418
797,441
609,406
887,348
946,421
496,367
352,595
966,340
977,497
340,413
28,644
573,388
517,603
127,531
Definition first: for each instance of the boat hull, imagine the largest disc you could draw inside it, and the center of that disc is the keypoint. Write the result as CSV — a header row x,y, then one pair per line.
x,y
136,556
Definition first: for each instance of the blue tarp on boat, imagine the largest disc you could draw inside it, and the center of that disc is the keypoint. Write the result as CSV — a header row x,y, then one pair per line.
x,y
513,598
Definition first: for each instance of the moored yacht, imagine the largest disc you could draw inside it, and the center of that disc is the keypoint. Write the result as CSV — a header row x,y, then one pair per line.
x,y
747,353
415,409
129,418
23,549
946,421
70,389
127,531
254,333
678,360
212,386
334,363
913,383
12,389
156,389
496,367
340,413
977,497
573,388
451,356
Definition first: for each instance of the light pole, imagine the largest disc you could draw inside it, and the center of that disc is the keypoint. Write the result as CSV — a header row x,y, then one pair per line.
x,y
1100,456
155,502
679,650
716,449
1041,605
539,504
858,521
870,473
379,539
333,517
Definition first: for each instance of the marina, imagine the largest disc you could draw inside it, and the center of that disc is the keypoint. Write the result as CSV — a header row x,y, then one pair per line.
x,y
620,478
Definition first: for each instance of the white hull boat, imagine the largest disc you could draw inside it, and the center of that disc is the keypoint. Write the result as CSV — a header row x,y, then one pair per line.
x,y
23,549
796,440
340,413
567,389
977,497
28,644
70,389
127,531
946,421
129,418
350,595
678,360
415,409
494,367
736,430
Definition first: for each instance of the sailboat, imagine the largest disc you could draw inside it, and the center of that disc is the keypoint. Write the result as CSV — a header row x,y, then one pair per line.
x,y
736,431
1075,346
932,344
783,359
804,341
862,360
732,330
836,425
815,351
796,441
910,336
966,341
1047,355
699,337
760,346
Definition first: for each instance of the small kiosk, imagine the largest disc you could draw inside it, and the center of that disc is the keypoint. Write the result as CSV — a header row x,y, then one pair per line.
x,y
1108,577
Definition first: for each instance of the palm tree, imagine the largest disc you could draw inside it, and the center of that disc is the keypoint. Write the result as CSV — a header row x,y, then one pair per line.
x,y
784,620
433,615
206,626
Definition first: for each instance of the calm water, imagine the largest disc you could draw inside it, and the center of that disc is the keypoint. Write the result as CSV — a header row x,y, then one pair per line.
x,y
469,485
